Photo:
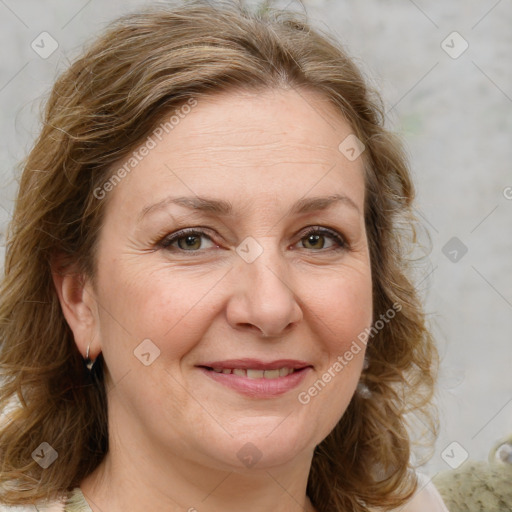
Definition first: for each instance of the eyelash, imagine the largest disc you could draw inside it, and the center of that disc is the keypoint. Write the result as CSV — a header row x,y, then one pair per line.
x,y
313,230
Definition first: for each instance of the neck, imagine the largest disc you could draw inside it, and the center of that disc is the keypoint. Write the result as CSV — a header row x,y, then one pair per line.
x,y
141,479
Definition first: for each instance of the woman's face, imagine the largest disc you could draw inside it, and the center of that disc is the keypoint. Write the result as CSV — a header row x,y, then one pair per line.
x,y
199,329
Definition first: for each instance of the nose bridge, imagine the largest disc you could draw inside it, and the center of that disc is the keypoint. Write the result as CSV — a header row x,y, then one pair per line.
x,y
268,276
266,298
269,268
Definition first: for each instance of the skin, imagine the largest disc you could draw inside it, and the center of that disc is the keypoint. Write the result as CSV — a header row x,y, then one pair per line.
x,y
174,432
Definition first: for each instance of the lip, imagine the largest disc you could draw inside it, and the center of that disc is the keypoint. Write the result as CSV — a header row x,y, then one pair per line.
x,y
258,388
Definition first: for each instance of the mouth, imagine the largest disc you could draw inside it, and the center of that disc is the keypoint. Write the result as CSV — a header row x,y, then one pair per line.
x,y
252,373
255,378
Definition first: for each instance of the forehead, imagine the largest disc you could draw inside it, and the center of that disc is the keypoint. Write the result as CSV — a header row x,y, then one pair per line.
x,y
270,144
277,121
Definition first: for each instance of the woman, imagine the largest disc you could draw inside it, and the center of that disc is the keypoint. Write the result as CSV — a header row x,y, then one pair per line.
x,y
206,304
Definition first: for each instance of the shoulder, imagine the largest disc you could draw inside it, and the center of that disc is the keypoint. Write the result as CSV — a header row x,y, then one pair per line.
x,y
426,499
17,508
74,501
55,506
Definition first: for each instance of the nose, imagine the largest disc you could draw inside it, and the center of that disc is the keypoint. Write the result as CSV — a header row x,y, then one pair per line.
x,y
263,297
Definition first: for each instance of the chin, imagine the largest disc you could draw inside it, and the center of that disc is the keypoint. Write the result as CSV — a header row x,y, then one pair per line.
x,y
261,449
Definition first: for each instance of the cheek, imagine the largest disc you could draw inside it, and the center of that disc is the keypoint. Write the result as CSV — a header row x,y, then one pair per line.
x,y
342,312
162,305
344,308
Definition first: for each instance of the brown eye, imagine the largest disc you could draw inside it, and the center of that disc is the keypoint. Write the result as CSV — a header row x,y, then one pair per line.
x,y
191,241
314,242
318,239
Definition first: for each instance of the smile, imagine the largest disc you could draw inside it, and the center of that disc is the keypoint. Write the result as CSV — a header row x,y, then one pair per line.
x,y
256,374
257,379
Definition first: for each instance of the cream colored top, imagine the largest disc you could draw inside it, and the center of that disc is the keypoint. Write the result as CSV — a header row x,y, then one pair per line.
x,y
427,499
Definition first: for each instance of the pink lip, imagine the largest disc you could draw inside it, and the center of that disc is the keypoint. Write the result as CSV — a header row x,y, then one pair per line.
x,y
258,388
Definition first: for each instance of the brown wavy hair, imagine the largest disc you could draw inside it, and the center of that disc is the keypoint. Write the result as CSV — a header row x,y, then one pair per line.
x,y
143,66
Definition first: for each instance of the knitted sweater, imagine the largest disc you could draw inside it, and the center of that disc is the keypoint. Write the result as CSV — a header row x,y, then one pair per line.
x,y
478,486
74,503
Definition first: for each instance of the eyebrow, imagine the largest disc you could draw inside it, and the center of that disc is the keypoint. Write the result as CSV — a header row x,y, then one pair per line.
x,y
225,208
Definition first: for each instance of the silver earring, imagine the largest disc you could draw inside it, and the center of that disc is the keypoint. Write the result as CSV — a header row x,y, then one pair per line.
x,y
363,390
88,361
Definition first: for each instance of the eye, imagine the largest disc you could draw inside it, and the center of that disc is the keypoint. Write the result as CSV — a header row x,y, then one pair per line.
x,y
317,238
190,240
195,240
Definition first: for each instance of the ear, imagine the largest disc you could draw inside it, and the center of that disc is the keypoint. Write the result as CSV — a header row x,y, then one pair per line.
x,y
79,306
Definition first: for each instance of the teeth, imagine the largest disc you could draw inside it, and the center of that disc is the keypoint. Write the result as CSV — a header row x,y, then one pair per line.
x,y
256,374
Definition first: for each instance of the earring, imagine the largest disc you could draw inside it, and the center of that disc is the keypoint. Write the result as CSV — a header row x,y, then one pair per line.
x,y
362,388
88,361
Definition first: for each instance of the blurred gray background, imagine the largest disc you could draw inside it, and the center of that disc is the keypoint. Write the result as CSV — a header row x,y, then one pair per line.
x,y
445,71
